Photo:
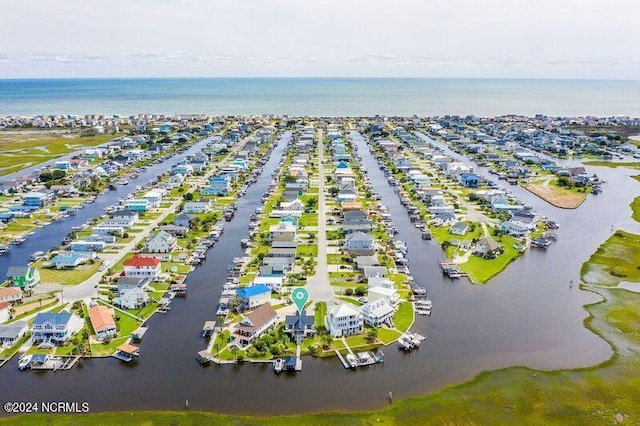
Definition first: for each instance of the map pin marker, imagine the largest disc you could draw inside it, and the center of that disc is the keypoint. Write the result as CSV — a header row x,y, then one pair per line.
x,y
300,296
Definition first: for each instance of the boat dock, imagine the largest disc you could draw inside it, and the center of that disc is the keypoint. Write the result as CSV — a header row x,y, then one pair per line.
x,y
54,363
452,270
361,359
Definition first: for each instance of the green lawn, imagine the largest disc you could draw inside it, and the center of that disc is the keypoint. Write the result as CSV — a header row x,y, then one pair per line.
x,y
321,312
403,318
307,250
67,276
481,270
387,336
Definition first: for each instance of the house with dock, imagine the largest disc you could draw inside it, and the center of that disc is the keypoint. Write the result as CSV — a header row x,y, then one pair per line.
x,y
343,320
160,242
377,312
68,260
253,296
255,323
55,328
103,321
11,333
359,244
300,326
143,267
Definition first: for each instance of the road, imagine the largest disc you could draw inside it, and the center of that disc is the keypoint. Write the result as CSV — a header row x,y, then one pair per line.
x,y
318,285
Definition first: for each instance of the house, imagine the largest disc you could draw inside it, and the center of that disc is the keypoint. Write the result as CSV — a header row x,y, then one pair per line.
x,y
376,313
487,246
359,244
125,218
184,220
146,267
514,229
68,260
160,242
218,185
5,311
443,213
253,296
25,277
283,231
126,283
459,228
300,326
366,261
343,320
37,199
137,204
133,298
524,218
103,229
374,271
274,283
386,293
103,321
196,207
10,294
255,324
55,328
154,197
11,333
469,180
84,246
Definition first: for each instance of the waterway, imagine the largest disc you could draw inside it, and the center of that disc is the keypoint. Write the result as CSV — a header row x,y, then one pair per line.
x,y
527,315
53,234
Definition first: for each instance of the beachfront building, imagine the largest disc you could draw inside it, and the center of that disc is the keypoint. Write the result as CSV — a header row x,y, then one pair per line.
x,y
25,277
68,260
343,320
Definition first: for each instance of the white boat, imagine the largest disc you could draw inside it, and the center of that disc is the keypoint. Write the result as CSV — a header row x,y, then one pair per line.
x,y
36,255
278,365
352,360
24,362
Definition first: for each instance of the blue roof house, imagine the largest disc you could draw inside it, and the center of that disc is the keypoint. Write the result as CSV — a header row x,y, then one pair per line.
x,y
55,328
469,180
253,296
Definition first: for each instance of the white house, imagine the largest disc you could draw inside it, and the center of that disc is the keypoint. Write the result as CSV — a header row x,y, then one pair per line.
x,y
160,242
343,320
196,207
146,267
274,283
377,312
133,298
282,231
56,328
253,296
125,218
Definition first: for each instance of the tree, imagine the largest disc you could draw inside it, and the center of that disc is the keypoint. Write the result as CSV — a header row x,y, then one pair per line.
x,y
361,290
348,292
188,196
372,335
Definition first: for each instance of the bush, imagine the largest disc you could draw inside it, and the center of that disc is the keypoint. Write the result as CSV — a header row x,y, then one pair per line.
x,y
361,290
348,292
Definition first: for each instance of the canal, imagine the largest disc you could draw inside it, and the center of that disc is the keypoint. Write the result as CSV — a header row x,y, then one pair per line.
x,y
527,315
53,234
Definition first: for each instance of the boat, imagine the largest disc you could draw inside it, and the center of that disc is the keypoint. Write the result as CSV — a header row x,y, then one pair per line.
x,y
278,365
352,360
36,255
24,362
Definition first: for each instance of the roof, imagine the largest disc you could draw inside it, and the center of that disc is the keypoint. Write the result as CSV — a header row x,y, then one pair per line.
x,y
343,310
359,236
253,290
124,212
11,330
184,216
128,349
138,261
102,318
137,281
258,318
378,309
489,242
10,292
4,305
17,271
299,322
61,318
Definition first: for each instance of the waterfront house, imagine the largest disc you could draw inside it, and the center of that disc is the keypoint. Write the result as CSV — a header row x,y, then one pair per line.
x,y
37,199
125,218
137,204
255,323
376,313
300,326
253,296
469,180
103,229
132,298
514,229
126,283
386,293
10,294
68,260
459,228
343,320
154,197
524,218
55,328
11,333
486,247
218,185
347,194
443,213
283,231
24,277
359,244
183,169
84,246
103,321
184,220
146,267
160,242
273,282
196,206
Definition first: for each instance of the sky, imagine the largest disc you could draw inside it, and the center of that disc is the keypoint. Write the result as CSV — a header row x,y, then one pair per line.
x,y
320,38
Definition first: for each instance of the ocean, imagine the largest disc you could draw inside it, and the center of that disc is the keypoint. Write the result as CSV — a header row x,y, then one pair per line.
x,y
320,96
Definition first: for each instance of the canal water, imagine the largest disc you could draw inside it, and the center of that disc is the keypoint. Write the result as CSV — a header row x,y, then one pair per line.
x,y
53,234
527,315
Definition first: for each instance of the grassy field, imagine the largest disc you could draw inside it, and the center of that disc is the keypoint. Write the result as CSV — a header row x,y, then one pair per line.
x,y
616,260
481,270
613,165
557,195
21,150
67,276
403,318
635,208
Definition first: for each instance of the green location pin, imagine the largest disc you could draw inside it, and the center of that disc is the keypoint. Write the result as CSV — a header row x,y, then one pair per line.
x,y
300,296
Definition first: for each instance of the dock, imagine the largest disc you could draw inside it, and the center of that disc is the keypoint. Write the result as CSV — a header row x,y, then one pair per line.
x,y
53,362
452,270
208,328
204,357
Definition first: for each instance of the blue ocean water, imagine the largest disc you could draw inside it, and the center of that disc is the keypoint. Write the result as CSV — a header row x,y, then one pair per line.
x,y
319,96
